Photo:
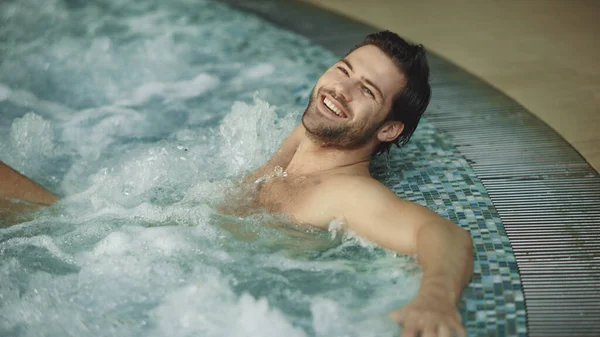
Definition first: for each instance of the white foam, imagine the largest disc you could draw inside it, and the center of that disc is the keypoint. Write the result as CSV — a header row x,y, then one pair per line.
x,y
26,99
42,241
163,241
330,318
32,135
115,243
209,308
259,71
174,90
326,316
143,93
195,87
250,133
91,131
337,225
351,235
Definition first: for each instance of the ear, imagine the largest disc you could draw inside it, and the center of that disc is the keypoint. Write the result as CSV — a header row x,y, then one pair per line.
x,y
390,131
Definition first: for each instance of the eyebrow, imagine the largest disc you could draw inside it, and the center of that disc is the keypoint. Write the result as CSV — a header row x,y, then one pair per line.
x,y
347,63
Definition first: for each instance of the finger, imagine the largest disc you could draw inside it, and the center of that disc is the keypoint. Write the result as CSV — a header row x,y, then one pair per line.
x,y
443,331
456,327
410,331
430,330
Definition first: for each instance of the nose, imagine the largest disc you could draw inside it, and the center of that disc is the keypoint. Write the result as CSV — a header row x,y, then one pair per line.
x,y
343,89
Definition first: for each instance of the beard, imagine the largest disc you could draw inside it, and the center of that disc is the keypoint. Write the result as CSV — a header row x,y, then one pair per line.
x,y
345,136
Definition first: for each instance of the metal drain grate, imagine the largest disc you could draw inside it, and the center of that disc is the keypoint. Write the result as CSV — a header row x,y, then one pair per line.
x,y
547,196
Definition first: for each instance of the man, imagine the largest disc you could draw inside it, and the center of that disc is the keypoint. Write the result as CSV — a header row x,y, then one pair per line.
x,y
370,99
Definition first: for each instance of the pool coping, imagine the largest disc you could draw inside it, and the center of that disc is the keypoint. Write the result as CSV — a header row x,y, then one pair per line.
x,y
546,194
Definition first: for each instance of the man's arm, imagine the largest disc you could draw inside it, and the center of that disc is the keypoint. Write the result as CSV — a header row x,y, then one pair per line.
x,y
14,185
443,249
446,260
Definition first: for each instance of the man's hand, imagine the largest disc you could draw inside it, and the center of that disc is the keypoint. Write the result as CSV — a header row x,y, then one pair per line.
x,y
429,316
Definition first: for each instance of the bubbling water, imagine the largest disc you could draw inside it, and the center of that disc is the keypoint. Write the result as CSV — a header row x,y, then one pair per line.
x,y
139,250
128,112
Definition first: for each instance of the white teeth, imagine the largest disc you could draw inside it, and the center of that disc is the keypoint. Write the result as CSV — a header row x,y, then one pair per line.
x,y
332,107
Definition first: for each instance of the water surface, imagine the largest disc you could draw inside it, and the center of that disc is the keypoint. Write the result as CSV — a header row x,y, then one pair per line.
x,y
139,114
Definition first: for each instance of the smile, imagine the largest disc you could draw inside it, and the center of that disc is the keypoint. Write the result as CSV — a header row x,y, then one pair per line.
x,y
329,104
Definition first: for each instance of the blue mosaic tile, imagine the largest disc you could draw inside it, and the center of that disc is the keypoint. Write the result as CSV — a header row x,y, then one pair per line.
x,y
430,171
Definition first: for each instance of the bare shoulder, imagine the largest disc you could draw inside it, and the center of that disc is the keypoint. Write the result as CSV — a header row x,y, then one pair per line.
x,y
359,188
344,195
362,199
377,213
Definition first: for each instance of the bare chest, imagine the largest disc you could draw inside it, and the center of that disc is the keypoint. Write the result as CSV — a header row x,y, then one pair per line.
x,y
295,197
280,194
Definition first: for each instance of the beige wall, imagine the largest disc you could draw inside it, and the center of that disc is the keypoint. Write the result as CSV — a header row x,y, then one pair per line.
x,y
545,54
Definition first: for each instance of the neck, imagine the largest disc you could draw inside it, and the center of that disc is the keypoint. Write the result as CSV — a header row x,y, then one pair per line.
x,y
311,158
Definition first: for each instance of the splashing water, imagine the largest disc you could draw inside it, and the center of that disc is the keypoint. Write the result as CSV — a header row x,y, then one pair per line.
x,y
139,115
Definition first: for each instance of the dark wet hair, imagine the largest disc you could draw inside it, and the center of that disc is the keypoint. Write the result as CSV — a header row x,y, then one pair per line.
x,y
410,103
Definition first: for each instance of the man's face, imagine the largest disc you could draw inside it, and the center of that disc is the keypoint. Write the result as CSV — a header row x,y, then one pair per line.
x,y
352,98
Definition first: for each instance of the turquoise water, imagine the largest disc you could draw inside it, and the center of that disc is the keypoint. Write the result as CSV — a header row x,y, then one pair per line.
x,y
140,114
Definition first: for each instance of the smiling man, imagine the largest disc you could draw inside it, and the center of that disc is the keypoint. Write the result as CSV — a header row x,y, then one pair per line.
x,y
372,98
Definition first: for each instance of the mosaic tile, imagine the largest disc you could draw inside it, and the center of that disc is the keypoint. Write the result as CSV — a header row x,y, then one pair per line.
x,y
430,171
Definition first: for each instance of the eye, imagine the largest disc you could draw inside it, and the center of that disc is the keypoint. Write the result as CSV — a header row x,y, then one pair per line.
x,y
343,70
368,91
